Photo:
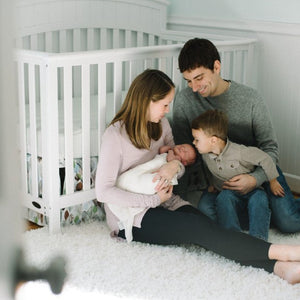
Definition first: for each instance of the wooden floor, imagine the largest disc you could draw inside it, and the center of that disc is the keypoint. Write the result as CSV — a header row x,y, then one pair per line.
x,y
31,225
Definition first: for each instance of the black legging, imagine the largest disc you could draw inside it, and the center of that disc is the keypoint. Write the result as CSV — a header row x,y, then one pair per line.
x,y
187,225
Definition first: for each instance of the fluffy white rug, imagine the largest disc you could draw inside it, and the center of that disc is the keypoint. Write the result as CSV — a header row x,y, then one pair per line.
x,y
100,267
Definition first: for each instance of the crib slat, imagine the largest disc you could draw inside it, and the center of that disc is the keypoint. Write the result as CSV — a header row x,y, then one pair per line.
x,y
86,126
34,42
248,65
49,128
176,76
128,42
131,74
117,86
22,115
116,39
68,126
62,41
49,41
238,66
148,63
103,38
76,40
33,140
90,39
139,39
163,64
101,102
151,40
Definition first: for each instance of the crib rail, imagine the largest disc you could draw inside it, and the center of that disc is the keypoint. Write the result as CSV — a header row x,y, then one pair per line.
x,y
51,84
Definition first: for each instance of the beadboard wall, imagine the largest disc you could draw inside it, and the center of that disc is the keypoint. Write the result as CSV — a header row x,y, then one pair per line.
x,y
278,79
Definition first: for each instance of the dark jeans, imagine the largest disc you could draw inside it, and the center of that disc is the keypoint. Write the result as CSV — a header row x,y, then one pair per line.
x,y
229,206
187,225
285,210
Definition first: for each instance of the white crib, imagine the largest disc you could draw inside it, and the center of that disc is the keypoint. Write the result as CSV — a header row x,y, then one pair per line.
x,y
71,81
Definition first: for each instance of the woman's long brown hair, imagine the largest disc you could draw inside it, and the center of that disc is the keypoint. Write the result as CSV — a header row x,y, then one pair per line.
x,y
151,85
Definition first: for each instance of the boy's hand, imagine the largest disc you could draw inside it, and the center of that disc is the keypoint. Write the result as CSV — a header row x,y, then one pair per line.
x,y
276,188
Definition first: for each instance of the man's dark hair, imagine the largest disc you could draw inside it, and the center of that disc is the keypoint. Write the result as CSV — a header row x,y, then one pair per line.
x,y
198,53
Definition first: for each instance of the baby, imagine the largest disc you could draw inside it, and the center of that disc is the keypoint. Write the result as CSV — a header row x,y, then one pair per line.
x,y
140,178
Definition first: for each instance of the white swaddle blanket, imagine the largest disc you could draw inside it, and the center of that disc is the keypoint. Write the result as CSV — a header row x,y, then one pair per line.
x,y
137,180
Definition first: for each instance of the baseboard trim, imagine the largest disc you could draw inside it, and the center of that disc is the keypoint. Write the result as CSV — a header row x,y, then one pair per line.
x,y
293,182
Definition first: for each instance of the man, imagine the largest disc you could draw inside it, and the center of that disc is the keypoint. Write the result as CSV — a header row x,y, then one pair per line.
x,y
249,124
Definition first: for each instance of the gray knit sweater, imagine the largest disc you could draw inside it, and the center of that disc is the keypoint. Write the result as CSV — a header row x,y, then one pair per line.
x,y
249,124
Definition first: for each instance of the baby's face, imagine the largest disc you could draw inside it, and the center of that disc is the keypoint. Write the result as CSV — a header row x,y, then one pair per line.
x,y
186,153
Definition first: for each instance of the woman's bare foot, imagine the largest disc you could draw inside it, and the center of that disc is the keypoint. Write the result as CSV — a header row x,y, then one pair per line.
x,y
284,252
288,270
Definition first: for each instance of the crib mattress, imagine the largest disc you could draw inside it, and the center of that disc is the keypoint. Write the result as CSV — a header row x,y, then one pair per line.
x,y
77,126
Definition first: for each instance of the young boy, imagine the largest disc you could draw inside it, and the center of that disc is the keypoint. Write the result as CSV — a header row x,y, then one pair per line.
x,y
225,159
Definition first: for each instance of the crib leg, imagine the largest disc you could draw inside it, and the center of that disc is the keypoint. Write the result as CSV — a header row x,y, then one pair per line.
x,y
54,221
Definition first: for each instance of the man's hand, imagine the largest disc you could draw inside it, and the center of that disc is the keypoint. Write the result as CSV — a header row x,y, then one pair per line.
x,y
243,184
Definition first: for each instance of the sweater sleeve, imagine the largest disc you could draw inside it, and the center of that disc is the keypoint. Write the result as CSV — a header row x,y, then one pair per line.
x,y
264,136
109,168
258,157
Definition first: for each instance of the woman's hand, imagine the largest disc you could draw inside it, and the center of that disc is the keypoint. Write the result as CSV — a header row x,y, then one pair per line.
x,y
165,174
165,193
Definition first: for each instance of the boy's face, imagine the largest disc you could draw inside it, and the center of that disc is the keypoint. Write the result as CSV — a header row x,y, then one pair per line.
x,y
202,141
203,80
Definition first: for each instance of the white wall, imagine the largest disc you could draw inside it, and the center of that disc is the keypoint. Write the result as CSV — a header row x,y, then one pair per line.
x,y
276,25
257,10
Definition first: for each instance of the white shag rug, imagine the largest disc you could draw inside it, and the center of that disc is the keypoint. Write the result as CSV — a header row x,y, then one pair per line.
x,y
100,267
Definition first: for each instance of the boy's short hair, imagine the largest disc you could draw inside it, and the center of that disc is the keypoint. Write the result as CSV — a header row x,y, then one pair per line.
x,y
197,53
213,123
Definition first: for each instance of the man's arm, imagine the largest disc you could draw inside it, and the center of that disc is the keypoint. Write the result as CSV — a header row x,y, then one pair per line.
x,y
265,138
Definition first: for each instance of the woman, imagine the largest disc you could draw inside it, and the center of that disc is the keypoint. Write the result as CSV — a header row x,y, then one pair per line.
x,y
134,137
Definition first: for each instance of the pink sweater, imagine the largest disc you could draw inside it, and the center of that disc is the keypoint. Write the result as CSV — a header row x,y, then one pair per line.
x,y
118,155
